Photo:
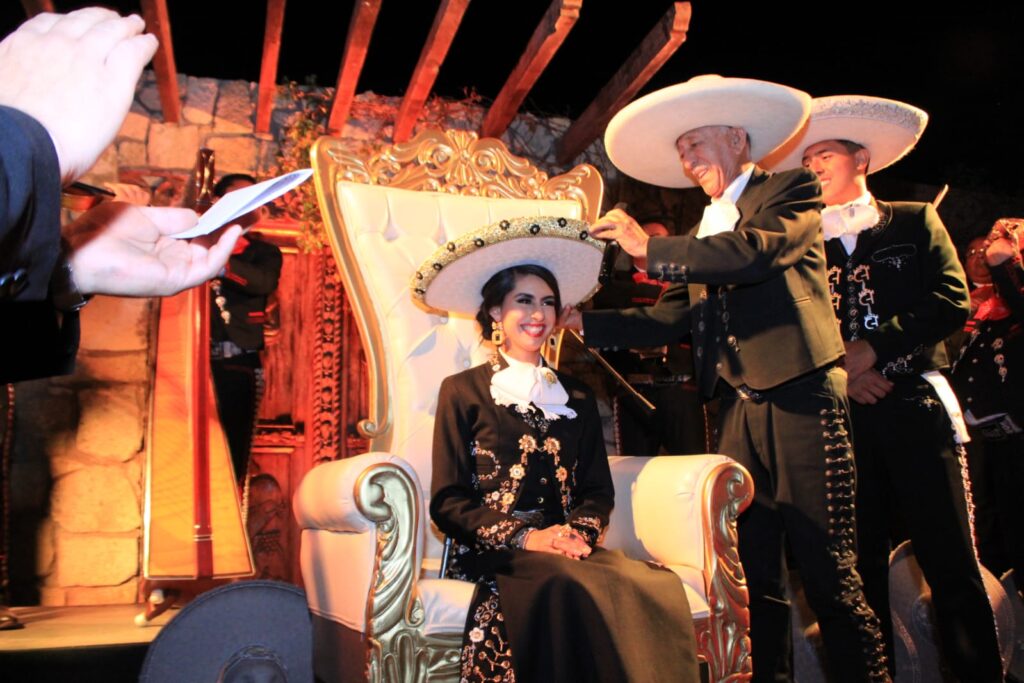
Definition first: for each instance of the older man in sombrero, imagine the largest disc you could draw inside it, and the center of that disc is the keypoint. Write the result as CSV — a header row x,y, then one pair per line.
x,y
751,284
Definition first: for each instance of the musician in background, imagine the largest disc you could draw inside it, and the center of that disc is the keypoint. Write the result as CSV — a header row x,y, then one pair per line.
x,y
987,378
664,375
238,305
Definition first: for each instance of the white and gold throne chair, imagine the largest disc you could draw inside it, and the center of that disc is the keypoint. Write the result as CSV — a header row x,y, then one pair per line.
x,y
370,557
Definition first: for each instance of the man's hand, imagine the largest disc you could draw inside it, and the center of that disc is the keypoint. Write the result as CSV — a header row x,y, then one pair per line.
x,y
75,74
560,539
570,319
619,226
860,358
125,250
1002,248
868,387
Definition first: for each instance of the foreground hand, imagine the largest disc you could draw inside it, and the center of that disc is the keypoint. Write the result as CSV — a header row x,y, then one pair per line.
x,y
860,357
75,74
619,226
869,387
125,250
560,539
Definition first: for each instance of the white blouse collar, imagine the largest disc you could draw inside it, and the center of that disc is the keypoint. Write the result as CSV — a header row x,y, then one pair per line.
x,y
530,387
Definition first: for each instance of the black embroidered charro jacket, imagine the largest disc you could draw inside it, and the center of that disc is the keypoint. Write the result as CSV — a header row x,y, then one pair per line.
x,y
490,461
902,289
755,298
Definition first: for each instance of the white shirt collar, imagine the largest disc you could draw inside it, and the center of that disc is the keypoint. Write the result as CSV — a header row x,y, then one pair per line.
x,y
735,189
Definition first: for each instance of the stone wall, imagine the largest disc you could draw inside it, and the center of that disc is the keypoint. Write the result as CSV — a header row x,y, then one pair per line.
x,y
77,468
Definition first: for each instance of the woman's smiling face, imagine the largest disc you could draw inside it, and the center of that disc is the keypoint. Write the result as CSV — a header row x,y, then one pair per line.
x,y
527,315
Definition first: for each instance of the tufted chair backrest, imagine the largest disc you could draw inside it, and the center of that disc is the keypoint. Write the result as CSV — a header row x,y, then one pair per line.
x,y
384,217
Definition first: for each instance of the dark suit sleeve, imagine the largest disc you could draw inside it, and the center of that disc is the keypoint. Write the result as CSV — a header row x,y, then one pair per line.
x,y
666,322
594,493
944,307
784,222
454,505
257,277
29,206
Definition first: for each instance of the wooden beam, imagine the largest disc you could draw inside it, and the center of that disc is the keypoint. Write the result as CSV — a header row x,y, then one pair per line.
x,y
547,38
158,22
34,7
268,68
360,29
446,23
649,56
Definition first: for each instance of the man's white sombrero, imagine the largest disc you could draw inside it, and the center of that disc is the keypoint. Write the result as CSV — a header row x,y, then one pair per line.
x,y
887,128
641,139
453,277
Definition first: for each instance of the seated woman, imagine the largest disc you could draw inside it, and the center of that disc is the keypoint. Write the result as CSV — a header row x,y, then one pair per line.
x,y
521,482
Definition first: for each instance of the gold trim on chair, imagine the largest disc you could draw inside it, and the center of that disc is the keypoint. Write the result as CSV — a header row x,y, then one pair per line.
x,y
398,651
457,162
723,639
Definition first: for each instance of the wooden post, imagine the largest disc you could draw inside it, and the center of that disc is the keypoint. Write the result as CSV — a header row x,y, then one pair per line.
x,y
360,29
158,22
649,56
268,67
547,38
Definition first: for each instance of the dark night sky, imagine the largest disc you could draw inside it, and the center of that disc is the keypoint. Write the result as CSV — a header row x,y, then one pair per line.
x,y
962,67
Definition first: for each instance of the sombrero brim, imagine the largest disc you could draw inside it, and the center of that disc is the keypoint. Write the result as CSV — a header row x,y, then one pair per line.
x,y
641,139
887,128
453,277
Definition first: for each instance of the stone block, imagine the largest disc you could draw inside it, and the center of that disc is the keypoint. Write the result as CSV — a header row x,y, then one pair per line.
x,y
132,153
124,594
45,554
234,108
105,168
52,596
110,423
135,127
113,366
234,154
172,146
111,323
96,560
149,97
95,499
200,96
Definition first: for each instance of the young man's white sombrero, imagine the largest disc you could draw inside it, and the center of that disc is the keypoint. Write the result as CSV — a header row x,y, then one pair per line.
x,y
454,275
641,139
887,128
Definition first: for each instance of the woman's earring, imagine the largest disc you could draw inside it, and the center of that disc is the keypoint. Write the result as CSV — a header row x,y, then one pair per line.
x,y
497,334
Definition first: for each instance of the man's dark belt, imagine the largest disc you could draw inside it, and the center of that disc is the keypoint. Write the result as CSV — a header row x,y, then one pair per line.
x,y
745,393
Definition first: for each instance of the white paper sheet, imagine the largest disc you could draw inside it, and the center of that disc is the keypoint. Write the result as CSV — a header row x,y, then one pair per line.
x,y
236,204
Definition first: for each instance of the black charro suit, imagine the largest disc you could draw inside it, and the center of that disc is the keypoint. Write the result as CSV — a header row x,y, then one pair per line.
x,y
765,341
250,277
903,291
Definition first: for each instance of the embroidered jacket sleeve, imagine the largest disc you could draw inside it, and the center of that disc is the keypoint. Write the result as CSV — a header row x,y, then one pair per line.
x,y
665,322
781,226
594,494
455,504
256,274
1008,278
943,307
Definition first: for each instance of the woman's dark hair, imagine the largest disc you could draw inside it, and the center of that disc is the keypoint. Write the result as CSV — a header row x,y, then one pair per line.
x,y
502,282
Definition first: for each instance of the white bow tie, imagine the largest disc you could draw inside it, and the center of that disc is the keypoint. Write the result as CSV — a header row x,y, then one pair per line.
x,y
848,219
521,385
720,216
